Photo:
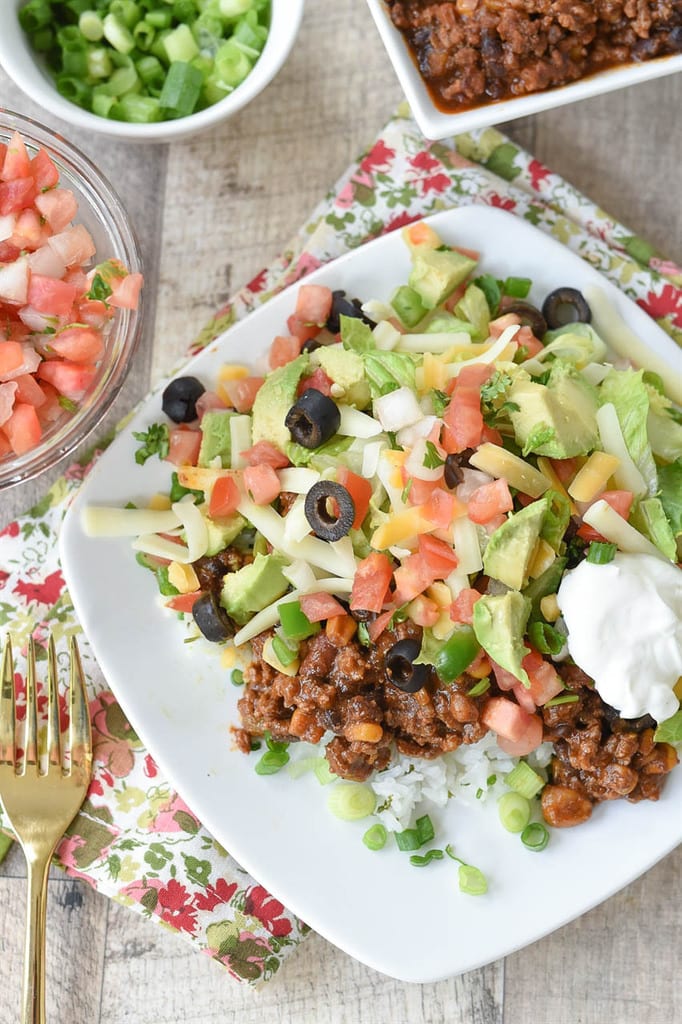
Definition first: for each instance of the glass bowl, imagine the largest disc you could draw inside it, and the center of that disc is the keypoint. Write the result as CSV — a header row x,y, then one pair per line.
x,y
102,213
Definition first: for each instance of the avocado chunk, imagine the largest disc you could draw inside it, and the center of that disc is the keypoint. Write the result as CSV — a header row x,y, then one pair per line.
x,y
253,587
499,624
510,550
347,369
273,401
473,307
436,273
222,532
215,437
557,419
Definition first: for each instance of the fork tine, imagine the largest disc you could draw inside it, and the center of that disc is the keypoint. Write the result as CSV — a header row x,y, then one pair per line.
x,y
80,735
7,716
54,752
31,733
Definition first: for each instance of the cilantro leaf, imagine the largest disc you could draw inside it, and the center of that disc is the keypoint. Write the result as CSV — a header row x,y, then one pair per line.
x,y
99,289
154,441
432,459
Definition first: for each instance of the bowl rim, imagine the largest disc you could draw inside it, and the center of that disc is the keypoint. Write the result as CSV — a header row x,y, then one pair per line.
x,y
104,200
19,63
438,124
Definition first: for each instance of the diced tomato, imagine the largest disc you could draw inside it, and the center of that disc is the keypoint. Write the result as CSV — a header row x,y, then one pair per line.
x,y
184,446
283,350
183,602
71,379
462,608
360,491
48,295
424,612
318,381
301,330
441,507
438,555
620,502
5,446
265,453
44,171
420,491
126,291
545,681
524,698
378,625
473,376
28,390
319,606
463,419
28,231
528,342
11,357
16,195
8,393
262,483
489,500
314,304
412,578
207,401
371,582
8,252
491,435
512,724
565,469
58,206
242,393
94,312
79,344
51,409
225,497
23,428
16,163
500,325
504,679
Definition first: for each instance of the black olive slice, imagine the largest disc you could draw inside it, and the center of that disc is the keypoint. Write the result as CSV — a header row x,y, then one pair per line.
x,y
528,314
343,306
179,399
565,306
454,463
313,419
212,619
400,667
329,509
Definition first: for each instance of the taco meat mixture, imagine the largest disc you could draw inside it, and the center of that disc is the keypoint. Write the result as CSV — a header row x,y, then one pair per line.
x,y
473,51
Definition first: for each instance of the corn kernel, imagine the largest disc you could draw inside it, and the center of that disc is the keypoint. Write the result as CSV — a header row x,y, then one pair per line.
x,y
549,606
232,371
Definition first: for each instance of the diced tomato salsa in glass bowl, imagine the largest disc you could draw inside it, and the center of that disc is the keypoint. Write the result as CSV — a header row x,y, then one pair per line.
x,y
70,304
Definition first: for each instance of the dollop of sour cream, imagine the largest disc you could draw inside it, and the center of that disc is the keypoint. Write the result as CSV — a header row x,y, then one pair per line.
x,y
624,622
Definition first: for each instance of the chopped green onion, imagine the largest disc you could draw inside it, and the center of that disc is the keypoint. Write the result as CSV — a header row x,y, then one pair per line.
x,y
414,838
159,17
420,861
600,553
517,287
284,654
472,881
535,836
181,89
117,33
272,762
304,764
90,26
481,687
569,698
323,772
545,638
375,837
180,44
514,811
237,677
351,801
523,780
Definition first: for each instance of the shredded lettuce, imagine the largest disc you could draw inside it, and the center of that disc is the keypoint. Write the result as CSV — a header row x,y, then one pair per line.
x,y
388,371
670,494
356,335
664,424
627,392
650,519
578,343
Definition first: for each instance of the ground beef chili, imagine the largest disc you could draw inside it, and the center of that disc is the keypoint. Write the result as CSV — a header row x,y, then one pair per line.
x,y
341,687
473,51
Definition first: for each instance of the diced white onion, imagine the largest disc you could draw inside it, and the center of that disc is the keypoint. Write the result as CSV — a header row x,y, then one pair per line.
x,y
437,343
357,424
100,521
240,440
466,545
35,320
456,582
270,615
397,409
422,428
370,459
618,531
626,475
194,525
472,479
594,373
486,358
386,336
298,479
45,261
7,223
414,463
377,310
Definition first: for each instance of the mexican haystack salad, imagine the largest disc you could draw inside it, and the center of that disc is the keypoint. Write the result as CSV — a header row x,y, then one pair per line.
x,y
443,534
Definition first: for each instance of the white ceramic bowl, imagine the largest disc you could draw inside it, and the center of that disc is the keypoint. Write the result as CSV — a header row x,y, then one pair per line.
x,y
435,124
23,66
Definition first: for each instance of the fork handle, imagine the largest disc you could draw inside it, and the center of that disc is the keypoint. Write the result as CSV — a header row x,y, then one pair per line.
x,y
33,996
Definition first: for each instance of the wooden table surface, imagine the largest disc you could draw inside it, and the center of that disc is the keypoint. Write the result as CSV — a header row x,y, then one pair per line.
x,y
210,212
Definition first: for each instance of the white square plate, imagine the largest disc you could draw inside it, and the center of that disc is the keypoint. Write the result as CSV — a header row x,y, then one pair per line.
x,y
411,924
437,124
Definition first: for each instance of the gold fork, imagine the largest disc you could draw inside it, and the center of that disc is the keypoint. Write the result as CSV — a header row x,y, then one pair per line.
x,y
41,796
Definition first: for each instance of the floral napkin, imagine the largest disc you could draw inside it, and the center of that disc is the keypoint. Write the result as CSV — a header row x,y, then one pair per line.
x,y
135,839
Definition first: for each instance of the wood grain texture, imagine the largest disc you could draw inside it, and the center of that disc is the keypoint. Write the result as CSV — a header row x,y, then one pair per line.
x,y
210,212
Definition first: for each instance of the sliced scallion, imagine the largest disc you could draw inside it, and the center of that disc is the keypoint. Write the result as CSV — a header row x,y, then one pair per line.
x,y
351,801
523,780
535,836
514,811
375,837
